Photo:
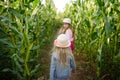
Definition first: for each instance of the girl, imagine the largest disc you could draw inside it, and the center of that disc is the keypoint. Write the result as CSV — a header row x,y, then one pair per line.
x,y
67,29
62,61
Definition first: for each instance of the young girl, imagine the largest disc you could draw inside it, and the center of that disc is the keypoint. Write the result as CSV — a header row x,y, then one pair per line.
x,y
67,29
62,61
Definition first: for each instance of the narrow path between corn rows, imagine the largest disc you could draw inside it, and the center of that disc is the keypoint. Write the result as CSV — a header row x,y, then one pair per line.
x,y
83,72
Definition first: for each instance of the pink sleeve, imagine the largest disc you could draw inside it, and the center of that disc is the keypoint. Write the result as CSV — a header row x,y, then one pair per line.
x,y
69,34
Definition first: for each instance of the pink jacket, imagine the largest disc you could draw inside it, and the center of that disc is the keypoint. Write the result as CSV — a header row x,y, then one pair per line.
x,y
69,34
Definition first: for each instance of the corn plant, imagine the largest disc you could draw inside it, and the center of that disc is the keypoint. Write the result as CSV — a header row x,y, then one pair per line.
x,y
96,25
28,27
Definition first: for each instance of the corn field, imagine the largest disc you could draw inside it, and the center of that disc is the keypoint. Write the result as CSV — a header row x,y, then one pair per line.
x,y
28,29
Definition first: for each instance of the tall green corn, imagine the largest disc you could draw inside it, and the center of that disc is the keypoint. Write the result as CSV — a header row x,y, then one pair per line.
x,y
26,23
97,28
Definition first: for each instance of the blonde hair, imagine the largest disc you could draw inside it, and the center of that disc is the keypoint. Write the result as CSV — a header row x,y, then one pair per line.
x,y
63,54
62,30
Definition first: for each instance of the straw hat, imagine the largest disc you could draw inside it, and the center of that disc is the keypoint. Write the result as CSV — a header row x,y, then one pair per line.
x,y
62,41
67,20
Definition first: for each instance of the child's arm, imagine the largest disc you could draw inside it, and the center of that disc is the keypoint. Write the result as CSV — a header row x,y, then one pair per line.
x,y
73,64
52,68
69,34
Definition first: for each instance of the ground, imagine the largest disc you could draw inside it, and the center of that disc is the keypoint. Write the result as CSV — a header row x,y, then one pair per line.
x,y
83,72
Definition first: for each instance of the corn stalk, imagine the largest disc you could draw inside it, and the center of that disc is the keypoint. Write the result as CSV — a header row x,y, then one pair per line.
x,y
97,28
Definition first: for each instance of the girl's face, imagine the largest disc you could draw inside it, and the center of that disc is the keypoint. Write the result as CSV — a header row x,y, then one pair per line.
x,y
65,25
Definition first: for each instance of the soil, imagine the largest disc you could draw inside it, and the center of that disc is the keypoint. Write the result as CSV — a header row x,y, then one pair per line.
x,y
84,70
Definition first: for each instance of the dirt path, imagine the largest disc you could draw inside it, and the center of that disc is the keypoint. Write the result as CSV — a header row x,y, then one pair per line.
x,y
84,71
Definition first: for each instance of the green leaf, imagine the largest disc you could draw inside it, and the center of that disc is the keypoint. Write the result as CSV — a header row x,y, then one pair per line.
x,y
17,61
6,42
35,47
107,27
35,3
3,32
93,41
117,3
118,53
35,11
6,70
14,72
87,22
15,12
5,19
16,32
94,35
35,69
100,53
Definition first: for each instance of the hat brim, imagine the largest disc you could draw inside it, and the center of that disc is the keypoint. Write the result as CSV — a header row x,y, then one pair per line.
x,y
56,43
66,22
